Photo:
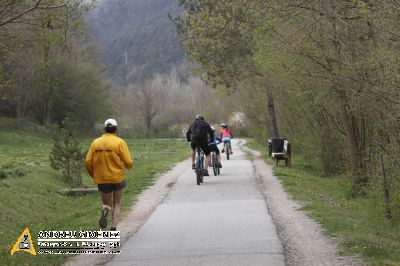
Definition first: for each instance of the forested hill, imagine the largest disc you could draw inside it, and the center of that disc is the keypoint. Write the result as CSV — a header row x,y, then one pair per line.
x,y
142,30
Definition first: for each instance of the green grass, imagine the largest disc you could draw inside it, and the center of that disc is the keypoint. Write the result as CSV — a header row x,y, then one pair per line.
x,y
358,224
31,199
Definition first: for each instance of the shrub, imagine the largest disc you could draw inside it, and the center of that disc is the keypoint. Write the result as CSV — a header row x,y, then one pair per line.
x,y
3,174
66,155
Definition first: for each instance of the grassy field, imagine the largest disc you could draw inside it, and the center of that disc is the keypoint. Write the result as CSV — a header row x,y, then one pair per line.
x,y
358,224
28,190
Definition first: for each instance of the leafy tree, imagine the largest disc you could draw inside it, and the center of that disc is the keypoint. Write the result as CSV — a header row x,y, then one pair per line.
x,y
218,35
79,93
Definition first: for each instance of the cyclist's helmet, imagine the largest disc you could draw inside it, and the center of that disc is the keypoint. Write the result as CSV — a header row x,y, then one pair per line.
x,y
212,128
200,117
224,125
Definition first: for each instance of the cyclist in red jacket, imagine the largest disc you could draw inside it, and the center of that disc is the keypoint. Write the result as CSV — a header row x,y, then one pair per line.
x,y
226,136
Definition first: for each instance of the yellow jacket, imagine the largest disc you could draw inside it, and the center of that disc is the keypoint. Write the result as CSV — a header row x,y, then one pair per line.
x,y
106,159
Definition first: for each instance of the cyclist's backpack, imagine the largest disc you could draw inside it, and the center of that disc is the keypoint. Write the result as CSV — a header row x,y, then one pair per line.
x,y
199,131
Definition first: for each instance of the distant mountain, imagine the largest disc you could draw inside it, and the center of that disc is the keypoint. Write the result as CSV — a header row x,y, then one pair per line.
x,y
136,38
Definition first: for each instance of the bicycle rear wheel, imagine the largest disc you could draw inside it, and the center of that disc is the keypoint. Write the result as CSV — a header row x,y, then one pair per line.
x,y
227,150
199,170
214,163
198,177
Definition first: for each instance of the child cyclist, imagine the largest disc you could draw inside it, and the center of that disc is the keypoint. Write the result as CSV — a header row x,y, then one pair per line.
x,y
226,136
212,143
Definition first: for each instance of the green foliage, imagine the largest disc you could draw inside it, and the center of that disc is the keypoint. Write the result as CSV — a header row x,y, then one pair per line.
x,y
80,94
216,35
48,69
67,155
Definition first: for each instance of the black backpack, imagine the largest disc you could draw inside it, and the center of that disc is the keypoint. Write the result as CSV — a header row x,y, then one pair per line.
x,y
199,131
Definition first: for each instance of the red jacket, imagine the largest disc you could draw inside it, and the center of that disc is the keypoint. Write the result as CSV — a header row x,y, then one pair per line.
x,y
226,132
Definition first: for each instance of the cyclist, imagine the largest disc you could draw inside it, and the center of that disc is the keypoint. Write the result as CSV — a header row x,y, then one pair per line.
x,y
212,143
226,136
198,136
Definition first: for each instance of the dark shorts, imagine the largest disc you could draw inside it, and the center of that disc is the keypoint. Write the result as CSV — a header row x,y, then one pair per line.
x,y
203,146
214,147
107,188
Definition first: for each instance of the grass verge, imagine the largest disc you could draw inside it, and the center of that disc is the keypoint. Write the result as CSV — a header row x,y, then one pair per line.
x,y
358,224
28,191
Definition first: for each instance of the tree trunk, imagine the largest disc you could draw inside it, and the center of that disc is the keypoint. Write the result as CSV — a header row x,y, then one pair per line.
x,y
353,148
148,127
272,116
385,189
349,119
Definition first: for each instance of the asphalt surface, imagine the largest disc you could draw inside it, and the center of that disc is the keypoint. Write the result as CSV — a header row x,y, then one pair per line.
x,y
224,221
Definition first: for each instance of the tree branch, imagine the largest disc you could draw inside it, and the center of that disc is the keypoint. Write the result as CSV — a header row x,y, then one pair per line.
x,y
53,7
21,14
34,7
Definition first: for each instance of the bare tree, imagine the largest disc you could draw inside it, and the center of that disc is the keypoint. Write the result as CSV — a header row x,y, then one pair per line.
x,y
148,101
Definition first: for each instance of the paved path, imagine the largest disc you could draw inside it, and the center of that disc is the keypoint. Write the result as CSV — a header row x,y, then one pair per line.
x,y
224,221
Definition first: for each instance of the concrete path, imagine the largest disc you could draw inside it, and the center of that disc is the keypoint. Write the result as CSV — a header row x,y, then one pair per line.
x,y
224,221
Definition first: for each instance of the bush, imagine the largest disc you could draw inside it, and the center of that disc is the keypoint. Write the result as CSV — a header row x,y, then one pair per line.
x,y
3,174
8,171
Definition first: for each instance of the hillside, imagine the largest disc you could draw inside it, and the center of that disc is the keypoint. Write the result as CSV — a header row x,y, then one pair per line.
x,y
142,30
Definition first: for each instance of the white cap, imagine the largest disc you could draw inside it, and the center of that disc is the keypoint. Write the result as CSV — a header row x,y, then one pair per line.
x,y
110,123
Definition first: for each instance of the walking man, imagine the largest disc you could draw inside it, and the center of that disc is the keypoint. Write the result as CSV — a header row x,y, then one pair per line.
x,y
105,162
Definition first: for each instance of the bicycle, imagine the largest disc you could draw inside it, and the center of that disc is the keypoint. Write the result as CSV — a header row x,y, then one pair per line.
x,y
227,149
199,166
214,163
